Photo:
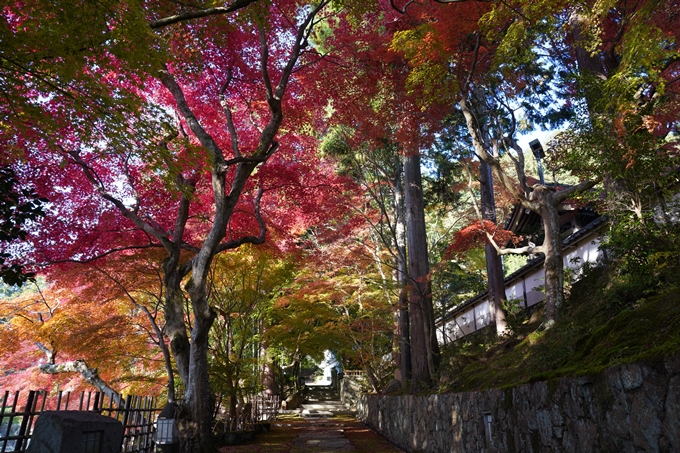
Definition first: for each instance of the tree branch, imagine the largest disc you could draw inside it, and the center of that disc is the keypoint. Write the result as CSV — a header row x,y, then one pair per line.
x,y
48,352
189,15
206,139
562,195
79,366
249,239
227,112
159,234
264,61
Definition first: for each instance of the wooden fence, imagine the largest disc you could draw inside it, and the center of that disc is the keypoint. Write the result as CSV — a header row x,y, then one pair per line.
x,y
18,413
354,374
260,409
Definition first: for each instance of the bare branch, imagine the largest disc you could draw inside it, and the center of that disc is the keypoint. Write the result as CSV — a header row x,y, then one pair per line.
x,y
518,162
128,176
401,10
189,15
160,342
530,249
183,211
106,253
48,352
79,366
475,59
562,195
264,61
249,239
300,40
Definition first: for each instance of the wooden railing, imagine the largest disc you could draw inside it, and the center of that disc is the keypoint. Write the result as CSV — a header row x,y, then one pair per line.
x,y
354,374
259,409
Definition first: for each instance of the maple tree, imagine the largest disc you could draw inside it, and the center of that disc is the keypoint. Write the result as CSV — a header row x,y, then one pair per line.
x,y
118,189
627,60
379,171
156,129
338,302
63,330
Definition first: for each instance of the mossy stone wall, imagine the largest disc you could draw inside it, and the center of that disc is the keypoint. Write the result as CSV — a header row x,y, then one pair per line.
x,y
627,408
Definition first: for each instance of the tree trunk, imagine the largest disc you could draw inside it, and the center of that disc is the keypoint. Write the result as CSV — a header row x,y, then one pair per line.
x,y
402,277
424,345
554,266
174,320
372,378
196,424
79,366
587,62
268,374
167,360
494,267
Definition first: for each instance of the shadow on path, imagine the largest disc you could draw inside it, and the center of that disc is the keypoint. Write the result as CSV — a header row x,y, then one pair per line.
x,y
296,435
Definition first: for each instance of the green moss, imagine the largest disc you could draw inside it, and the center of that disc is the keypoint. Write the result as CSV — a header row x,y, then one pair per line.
x,y
593,334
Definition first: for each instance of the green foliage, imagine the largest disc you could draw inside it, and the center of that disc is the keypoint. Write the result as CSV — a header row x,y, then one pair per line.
x,y
428,77
515,315
85,59
244,285
646,255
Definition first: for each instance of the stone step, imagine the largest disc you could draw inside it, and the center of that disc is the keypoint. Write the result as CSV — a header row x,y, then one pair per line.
x,y
313,413
332,407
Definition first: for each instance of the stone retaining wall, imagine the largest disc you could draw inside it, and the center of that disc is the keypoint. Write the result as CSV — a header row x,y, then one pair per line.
x,y
628,408
350,391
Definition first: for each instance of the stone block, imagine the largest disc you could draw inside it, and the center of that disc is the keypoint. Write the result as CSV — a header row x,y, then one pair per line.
x,y
76,432
671,425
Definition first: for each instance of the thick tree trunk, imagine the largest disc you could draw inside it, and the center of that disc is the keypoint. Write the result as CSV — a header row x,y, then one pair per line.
x,y
268,374
195,424
175,326
587,62
494,267
424,345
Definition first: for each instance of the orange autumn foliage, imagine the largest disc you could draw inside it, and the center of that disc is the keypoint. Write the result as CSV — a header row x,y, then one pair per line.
x,y
475,235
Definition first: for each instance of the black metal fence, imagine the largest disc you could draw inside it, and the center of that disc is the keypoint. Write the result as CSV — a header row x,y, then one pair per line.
x,y
19,412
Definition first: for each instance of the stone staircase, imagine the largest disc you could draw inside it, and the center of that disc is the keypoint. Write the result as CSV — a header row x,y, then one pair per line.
x,y
322,402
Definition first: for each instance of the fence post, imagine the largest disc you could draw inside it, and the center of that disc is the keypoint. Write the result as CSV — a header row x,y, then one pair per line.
x,y
25,419
95,407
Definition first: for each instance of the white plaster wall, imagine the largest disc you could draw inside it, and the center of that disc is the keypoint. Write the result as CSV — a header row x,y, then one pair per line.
x,y
466,321
587,251
482,314
515,290
449,333
534,281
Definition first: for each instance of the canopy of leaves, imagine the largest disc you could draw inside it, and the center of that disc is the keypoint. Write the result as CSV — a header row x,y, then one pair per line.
x,y
18,206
